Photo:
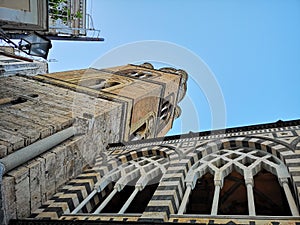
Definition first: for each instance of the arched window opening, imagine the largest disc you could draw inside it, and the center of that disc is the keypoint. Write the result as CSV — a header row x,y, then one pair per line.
x,y
119,199
233,196
269,196
140,202
137,74
125,189
200,200
246,181
96,199
139,134
144,131
165,110
110,84
141,74
91,82
98,84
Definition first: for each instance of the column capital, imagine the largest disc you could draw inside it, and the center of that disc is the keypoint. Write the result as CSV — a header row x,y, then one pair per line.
x,y
283,180
218,183
249,181
190,184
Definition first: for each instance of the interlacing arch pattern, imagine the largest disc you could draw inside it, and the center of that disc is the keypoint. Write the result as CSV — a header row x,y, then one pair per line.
x,y
270,146
142,169
85,192
171,190
179,168
246,161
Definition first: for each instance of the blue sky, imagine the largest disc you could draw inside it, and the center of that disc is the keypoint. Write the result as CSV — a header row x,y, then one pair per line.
x,y
252,48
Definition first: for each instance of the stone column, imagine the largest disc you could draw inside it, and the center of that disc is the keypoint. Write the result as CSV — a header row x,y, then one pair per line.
x,y
129,200
214,208
251,205
185,199
104,203
293,207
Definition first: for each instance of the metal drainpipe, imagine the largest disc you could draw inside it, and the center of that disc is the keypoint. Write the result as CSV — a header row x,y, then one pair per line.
x,y
31,151
1,199
27,153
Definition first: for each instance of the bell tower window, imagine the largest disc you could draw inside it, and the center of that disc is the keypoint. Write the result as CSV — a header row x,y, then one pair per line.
x,y
139,74
98,84
165,110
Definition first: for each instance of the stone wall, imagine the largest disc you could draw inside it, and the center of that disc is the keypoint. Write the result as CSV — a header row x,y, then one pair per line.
x,y
104,106
50,110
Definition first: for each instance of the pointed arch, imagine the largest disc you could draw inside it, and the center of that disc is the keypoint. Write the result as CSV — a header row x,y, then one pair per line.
x,y
271,146
285,153
247,162
164,151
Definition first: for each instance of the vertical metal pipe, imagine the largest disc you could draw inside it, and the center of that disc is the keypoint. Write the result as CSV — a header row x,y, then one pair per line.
x,y
2,168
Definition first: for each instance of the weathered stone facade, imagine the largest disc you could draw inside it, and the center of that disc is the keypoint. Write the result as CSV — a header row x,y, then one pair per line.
x,y
103,106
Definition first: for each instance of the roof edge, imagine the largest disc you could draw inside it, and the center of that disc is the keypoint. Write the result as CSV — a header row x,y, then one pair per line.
x,y
277,124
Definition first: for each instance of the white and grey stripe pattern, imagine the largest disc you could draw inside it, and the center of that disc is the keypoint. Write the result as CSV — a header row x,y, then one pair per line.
x,y
170,192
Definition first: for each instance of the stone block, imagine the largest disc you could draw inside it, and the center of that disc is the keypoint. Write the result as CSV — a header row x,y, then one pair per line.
x,y
69,162
77,157
17,127
9,198
13,142
50,170
42,179
35,183
22,190
60,169
45,127
3,151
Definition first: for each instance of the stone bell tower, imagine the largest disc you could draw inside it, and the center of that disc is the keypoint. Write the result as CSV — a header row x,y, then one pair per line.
x,y
56,125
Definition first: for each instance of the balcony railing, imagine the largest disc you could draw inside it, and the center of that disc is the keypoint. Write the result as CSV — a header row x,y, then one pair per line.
x,y
69,17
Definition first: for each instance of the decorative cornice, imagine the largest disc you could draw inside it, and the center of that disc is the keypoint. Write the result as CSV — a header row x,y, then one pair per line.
x,y
225,132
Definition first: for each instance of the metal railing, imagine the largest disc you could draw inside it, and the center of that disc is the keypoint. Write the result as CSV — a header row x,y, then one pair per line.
x,y
69,17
